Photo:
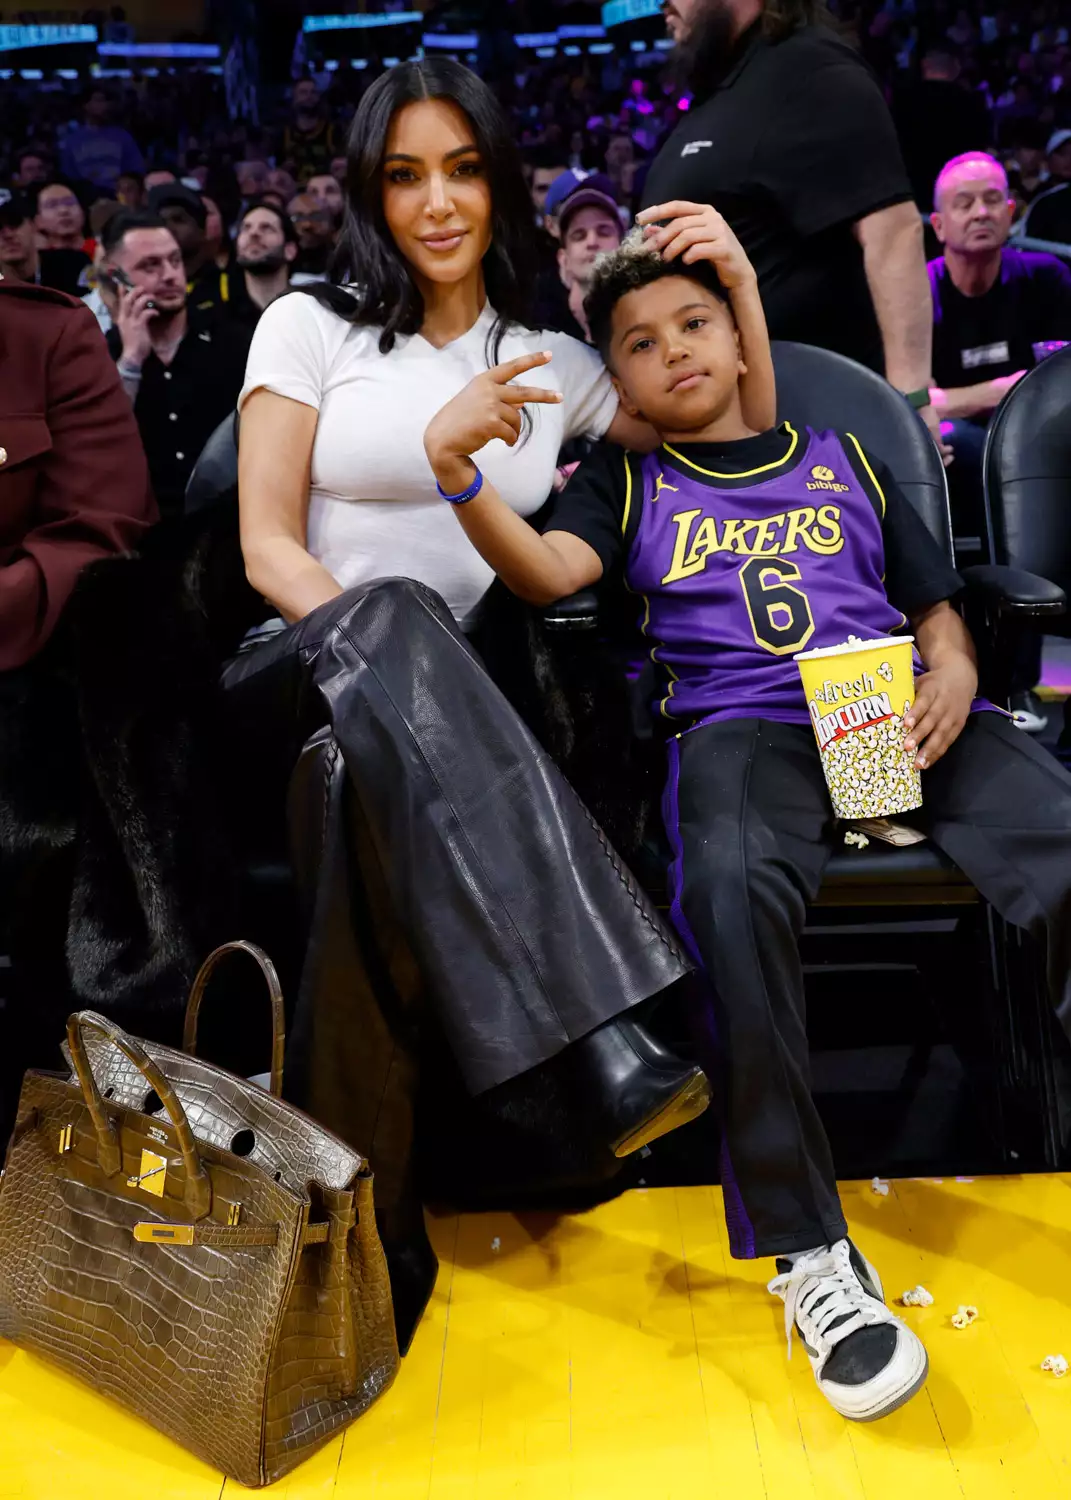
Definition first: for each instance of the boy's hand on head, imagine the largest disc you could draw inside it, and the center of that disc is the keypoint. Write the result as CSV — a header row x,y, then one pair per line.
x,y
694,232
489,407
943,698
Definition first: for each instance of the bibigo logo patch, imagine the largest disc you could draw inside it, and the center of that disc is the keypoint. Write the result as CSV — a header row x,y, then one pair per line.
x,y
823,478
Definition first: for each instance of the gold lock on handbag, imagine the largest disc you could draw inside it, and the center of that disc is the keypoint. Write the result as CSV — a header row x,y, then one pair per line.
x,y
212,1264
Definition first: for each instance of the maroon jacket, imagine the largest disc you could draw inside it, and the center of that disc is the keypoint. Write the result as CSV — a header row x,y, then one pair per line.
x,y
74,485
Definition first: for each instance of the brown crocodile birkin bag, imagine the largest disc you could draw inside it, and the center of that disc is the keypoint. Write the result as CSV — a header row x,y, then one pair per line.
x,y
188,1244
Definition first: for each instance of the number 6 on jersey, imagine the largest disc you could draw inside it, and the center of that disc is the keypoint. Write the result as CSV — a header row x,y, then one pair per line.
x,y
781,619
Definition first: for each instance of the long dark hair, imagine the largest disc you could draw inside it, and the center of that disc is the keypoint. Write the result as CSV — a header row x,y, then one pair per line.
x,y
384,293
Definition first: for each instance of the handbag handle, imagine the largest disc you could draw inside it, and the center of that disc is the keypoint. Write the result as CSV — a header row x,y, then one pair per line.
x,y
198,1194
275,995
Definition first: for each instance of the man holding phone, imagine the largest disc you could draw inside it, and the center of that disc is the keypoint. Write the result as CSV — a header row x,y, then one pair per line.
x,y
182,373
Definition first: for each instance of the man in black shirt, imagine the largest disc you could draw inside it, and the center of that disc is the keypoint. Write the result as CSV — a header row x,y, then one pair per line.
x,y
991,306
183,375
267,248
790,139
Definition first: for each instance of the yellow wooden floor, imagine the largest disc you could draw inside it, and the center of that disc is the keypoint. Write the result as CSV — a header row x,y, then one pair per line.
x,y
623,1354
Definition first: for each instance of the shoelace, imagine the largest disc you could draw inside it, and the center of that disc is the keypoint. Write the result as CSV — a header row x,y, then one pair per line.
x,y
819,1291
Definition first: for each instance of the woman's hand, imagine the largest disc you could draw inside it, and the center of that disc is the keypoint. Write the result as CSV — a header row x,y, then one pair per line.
x,y
696,231
489,407
942,705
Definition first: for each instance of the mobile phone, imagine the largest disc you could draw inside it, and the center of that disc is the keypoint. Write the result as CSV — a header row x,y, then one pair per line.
x,y
119,277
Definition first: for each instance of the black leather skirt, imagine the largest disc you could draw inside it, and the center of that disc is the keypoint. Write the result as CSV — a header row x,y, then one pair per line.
x,y
432,798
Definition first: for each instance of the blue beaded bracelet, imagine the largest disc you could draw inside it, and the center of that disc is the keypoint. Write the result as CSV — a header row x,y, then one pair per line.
x,y
466,495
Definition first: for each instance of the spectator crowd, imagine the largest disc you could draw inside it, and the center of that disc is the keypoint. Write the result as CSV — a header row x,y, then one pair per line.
x,y
179,225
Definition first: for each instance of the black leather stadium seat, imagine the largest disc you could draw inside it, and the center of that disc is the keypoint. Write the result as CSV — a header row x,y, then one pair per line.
x,y
818,389
215,474
881,875
1027,472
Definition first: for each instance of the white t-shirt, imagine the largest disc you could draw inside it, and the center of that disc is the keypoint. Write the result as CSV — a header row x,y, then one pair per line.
x,y
374,511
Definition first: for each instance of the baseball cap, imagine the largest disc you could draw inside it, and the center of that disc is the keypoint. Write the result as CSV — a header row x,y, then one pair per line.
x,y
595,191
175,194
16,211
559,190
1056,140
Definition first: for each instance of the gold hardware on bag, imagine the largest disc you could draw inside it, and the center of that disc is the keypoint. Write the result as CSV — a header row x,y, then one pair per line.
x,y
163,1234
239,1276
152,1176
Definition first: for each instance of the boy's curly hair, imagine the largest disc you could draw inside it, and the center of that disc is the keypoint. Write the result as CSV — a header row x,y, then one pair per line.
x,y
634,264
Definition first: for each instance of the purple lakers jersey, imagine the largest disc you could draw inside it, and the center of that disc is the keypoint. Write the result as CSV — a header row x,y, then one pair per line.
x,y
737,580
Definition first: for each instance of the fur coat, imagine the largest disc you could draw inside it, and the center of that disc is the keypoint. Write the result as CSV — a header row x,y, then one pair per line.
x,y
109,793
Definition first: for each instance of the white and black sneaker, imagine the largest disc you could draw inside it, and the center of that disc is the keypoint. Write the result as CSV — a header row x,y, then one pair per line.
x,y
865,1360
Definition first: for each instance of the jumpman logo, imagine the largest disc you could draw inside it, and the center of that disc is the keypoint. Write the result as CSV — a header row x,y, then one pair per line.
x,y
660,485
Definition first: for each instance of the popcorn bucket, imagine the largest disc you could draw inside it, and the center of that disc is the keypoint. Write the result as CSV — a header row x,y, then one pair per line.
x,y
857,696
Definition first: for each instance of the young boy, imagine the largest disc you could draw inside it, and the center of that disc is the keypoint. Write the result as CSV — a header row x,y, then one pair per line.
x,y
748,547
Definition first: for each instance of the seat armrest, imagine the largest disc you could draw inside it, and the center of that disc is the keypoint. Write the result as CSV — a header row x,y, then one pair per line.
x,y
1014,591
579,611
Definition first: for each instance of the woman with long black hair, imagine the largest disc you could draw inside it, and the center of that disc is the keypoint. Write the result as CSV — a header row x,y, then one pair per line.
x,y
424,808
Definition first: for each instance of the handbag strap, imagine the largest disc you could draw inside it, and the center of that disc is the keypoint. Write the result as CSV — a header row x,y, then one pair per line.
x,y
275,995
198,1189
222,1236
